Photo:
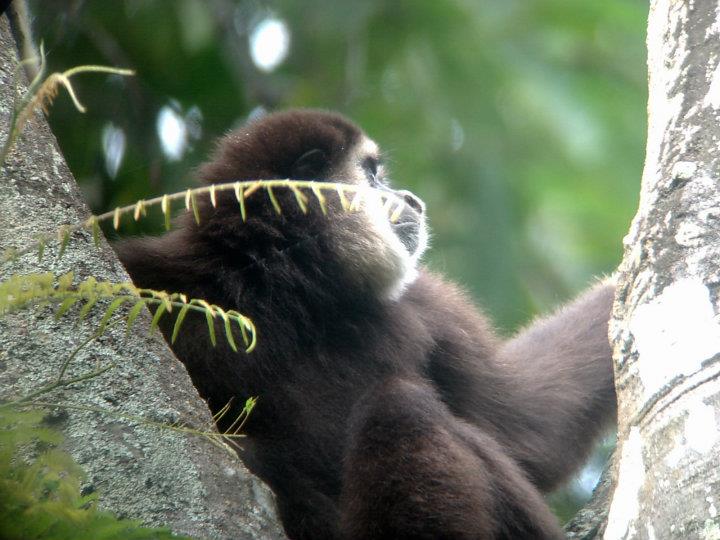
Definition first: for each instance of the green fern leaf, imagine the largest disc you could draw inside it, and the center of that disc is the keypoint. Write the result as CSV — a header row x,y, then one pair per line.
x,y
179,321
194,206
246,325
96,231
165,207
211,326
90,302
162,308
64,282
343,200
133,314
229,334
240,196
300,198
273,200
116,219
320,198
65,306
64,241
249,405
112,308
41,248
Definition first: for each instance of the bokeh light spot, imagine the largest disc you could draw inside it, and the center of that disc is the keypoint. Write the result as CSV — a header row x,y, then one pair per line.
x,y
269,43
172,131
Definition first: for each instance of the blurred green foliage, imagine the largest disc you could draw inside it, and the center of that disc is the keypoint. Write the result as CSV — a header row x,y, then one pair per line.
x,y
40,496
521,123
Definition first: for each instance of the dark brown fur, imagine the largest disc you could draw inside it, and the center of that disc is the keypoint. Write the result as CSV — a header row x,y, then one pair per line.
x,y
376,418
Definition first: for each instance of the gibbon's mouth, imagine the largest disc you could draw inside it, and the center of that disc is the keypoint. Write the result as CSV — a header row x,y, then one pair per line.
x,y
409,234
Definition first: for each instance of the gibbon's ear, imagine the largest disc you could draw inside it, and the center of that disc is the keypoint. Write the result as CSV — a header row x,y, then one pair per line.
x,y
309,165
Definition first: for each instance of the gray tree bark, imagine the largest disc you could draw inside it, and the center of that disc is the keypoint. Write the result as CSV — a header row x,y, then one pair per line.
x,y
158,476
666,328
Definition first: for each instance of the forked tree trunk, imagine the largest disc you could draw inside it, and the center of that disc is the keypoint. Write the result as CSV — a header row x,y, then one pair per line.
x,y
158,476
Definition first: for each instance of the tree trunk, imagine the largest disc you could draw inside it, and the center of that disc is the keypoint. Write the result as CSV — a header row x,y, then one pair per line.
x,y
665,326
158,476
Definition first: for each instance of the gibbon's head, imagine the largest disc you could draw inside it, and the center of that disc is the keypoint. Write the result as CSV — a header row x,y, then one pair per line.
x,y
323,146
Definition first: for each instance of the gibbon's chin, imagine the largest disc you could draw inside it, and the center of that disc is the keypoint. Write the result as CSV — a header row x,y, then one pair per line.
x,y
403,235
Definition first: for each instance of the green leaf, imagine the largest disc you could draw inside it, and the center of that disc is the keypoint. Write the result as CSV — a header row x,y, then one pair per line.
x,y
165,207
300,198
273,200
162,308
249,405
211,326
343,200
66,304
193,204
96,231
320,198
240,196
116,218
133,313
179,321
41,248
90,302
245,326
64,282
229,334
114,305
64,241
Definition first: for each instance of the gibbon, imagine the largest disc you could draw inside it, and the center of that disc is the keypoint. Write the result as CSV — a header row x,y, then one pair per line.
x,y
388,407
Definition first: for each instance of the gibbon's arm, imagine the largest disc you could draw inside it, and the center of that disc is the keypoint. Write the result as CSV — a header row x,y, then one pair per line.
x,y
564,391
545,394
173,262
148,261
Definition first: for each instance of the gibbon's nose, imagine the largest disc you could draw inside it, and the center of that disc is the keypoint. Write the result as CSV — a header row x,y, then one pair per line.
x,y
413,202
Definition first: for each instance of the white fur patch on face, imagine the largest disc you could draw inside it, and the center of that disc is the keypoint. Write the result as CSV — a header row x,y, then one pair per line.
x,y
402,265
381,256
368,147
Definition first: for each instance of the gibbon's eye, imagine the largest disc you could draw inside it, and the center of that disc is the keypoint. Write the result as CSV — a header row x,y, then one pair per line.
x,y
309,166
371,166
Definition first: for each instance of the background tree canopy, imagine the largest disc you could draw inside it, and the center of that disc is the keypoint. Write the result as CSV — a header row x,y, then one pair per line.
x,y
520,123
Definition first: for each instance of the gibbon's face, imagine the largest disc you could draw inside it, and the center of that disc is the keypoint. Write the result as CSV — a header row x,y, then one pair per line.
x,y
400,226
382,243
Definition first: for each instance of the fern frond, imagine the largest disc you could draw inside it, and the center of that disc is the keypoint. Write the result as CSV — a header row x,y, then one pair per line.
x,y
50,87
234,432
40,95
243,190
42,288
